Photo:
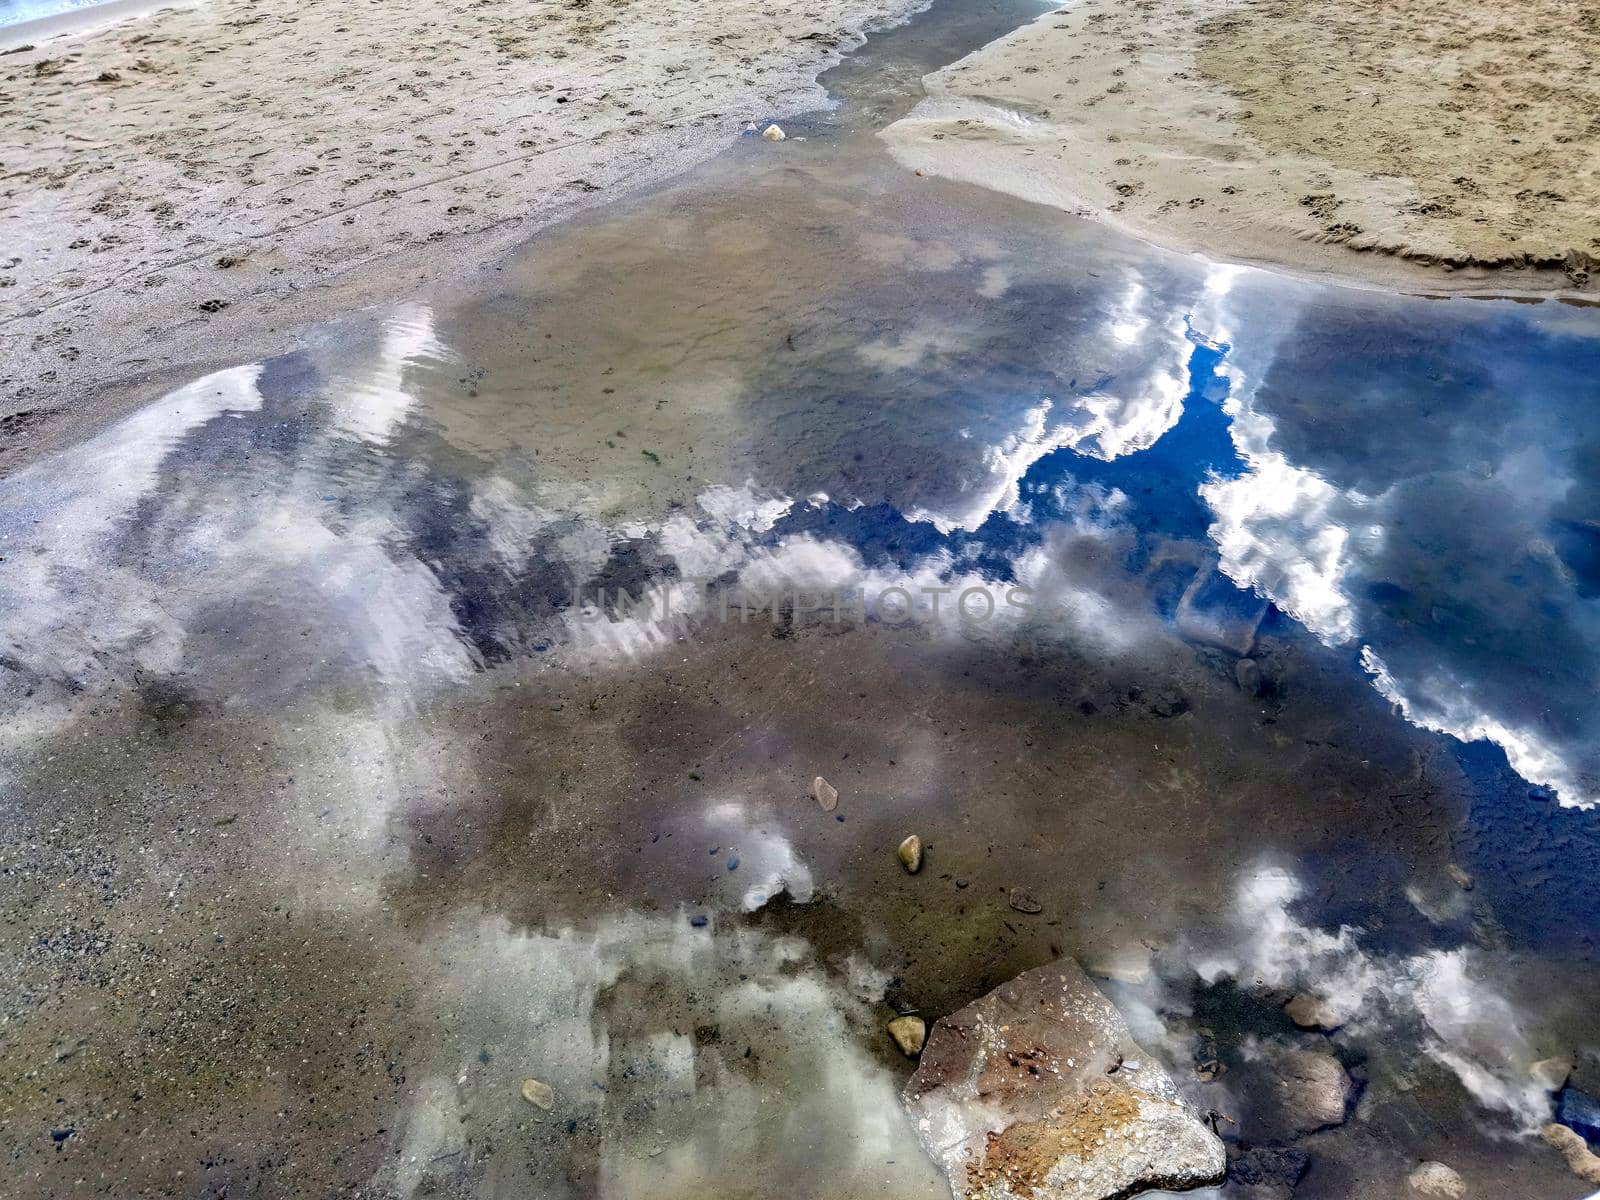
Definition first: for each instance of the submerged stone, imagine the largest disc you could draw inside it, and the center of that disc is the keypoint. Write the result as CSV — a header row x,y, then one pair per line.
x,y
909,1033
1581,1161
825,794
1022,900
1312,1090
1551,1073
1312,1012
1214,611
1024,1094
910,853
1436,1181
539,1094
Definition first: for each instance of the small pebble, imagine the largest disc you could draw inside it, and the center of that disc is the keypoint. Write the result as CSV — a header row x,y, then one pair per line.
x,y
1022,900
540,1095
910,853
825,794
909,1033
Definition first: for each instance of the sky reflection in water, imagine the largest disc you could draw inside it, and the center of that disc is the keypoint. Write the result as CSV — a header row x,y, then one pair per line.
x,y
1383,470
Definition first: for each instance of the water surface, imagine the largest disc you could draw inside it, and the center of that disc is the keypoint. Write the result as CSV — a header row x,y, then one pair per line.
x,y
381,714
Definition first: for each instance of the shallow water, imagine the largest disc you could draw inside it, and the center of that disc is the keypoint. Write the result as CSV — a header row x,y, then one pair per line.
x,y
380,714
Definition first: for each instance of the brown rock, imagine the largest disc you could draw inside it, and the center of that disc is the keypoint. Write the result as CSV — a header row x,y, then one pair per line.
x,y
1038,1091
540,1095
1311,1090
1312,1012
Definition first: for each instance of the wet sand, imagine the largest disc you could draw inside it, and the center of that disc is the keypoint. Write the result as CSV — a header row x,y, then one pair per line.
x,y
186,187
1445,145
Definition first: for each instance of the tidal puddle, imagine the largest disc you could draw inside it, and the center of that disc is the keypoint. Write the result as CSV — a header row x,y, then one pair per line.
x,y
435,707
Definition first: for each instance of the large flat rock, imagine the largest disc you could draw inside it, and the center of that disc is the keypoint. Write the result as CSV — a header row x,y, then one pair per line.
x,y
1037,1091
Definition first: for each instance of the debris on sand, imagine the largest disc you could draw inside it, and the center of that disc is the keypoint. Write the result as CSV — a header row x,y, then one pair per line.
x,y
1024,1094
909,1033
825,794
910,853
1022,900
773,134
538,1094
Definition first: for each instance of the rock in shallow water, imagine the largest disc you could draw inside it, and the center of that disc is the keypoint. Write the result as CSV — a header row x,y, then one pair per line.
x,y
1029,1093
1312,1090
1436,1181
910,853
539,1094
909,1033
825,794
1581,1161
1311,1012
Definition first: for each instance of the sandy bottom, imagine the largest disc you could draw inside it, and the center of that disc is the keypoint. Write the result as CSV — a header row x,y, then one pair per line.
x,y
1451,142
179,188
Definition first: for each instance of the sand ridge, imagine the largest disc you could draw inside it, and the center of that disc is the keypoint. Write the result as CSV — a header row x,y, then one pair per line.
x,y
1457,144
235,155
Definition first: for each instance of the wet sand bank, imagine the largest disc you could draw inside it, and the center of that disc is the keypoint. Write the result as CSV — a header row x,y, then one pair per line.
x,y
1442,146
186,187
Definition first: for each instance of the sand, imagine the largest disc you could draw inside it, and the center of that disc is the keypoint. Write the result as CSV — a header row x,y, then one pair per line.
x,y
1450,143
184,188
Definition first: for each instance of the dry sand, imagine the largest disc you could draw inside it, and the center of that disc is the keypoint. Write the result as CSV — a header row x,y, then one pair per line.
x,y
1457,143
176,190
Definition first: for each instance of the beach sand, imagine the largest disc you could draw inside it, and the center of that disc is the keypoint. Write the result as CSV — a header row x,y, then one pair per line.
x,y
1456,144
183,189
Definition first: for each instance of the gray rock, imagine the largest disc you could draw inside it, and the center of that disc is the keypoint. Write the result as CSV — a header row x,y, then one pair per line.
x,y
1247,673
1022,900
825,794
1024,1094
